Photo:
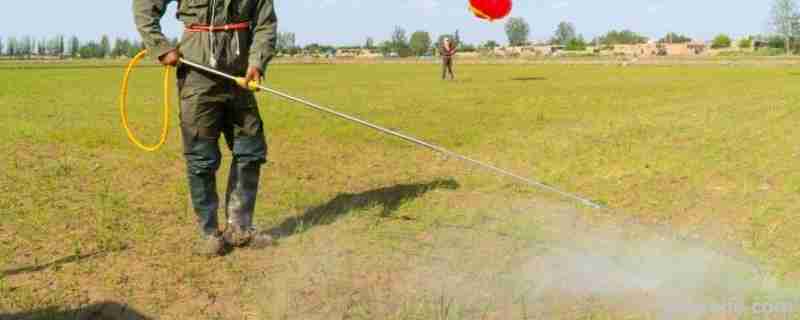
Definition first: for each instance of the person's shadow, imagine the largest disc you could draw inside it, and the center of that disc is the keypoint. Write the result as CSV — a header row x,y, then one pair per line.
x,y
98,311
390,198
59,262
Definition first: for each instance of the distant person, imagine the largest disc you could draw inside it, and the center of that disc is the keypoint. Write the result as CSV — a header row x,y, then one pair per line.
x,y
236,37
448,50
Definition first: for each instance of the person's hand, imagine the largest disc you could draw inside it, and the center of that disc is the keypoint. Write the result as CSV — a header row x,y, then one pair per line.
x,y
253,74
170,58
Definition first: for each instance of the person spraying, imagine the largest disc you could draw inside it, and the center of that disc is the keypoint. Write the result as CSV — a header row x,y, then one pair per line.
x,y
237,38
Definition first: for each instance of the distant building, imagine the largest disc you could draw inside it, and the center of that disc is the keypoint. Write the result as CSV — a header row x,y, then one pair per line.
x,y
347,53
660,49
636,50
760,43
357,53
370,53
650,49
697,47
528,51
683,49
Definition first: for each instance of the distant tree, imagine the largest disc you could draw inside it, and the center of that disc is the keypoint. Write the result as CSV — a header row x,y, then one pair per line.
x,y
19,50
491,44
776,42
12,47
405,52
457,38
1,47
294,50
385,48
745,43
466,47
420,43
328,49
91,50
122,48
116,51
576,44
61,47
674,38
52,45
565,33
316,48
105,47
312,47
399,39
399,42
27,46
286,42
517,31
280,42
49,46
621,37
291,41
784,20
41,48
74,47
721,41
134,48
370,43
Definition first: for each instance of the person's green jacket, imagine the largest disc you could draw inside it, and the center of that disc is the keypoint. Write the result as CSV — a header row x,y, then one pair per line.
x,y
231,51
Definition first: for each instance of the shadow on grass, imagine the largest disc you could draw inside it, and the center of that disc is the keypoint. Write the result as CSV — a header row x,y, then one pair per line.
x,y
529,79
390,198
98,311
59,262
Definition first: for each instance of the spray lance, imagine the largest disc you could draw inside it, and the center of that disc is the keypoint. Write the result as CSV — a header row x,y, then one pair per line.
x,y
255,86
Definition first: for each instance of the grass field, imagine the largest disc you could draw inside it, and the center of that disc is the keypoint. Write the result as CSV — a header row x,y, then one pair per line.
x,y
698,165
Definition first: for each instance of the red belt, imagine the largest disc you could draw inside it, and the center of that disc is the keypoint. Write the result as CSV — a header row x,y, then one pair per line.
x,y
228,27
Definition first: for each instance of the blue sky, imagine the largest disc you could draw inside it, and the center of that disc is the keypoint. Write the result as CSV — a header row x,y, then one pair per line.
x,y
351,21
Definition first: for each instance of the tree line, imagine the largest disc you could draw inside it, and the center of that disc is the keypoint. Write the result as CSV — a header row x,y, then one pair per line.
x,y
61,47
419,43
566,35
399,43
784,20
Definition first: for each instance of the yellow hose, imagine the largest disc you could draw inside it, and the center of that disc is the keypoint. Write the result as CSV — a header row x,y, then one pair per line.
x,y
123,105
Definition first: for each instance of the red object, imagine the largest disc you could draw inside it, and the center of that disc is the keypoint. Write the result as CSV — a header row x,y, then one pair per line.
x,y
448,52
206,28
490,9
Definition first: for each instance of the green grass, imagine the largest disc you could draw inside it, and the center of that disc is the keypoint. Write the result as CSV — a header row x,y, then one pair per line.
x,y
707,150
